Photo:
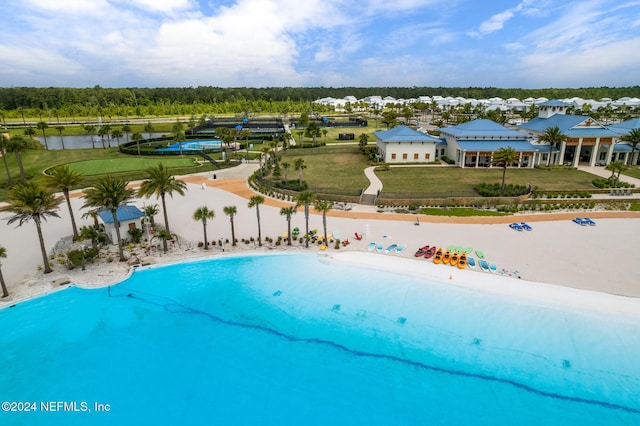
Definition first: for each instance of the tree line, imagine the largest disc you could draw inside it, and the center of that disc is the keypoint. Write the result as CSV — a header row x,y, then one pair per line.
x,y
206,99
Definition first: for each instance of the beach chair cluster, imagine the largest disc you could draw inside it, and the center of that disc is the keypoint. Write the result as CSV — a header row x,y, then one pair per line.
x,y
583,221
390,249
522,226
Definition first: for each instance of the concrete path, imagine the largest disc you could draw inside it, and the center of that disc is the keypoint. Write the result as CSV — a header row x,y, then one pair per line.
x,y
602,172
375,184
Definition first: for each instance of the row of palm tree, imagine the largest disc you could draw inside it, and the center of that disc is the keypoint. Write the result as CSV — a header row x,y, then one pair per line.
x,y
31,201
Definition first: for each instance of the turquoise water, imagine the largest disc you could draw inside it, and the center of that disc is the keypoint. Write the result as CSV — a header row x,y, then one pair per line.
x,y
301,339
197,145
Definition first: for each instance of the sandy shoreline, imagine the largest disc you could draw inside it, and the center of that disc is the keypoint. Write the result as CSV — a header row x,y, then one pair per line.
x,y
557,251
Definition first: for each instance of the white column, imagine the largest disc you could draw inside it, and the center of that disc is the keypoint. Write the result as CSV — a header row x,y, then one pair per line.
x,y
610,152
576,157
477,159
563,147
594,153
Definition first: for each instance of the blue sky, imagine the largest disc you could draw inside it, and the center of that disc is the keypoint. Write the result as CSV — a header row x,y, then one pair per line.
x,y
266,43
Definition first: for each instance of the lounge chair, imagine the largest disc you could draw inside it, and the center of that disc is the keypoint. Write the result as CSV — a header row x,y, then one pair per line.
x,y
484,265
580,221
589,221
357,236
526,226
515,226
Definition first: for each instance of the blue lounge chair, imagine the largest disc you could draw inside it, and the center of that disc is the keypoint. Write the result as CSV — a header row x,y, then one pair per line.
x,y
589,221
526,226
471,261
580,221
515,226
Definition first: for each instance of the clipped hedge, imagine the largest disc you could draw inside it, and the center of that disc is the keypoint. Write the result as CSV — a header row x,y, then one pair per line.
x,y
493,190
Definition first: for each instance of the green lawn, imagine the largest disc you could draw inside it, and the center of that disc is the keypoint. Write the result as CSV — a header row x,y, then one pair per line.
x,y
128,164
333,167
454,179
633,171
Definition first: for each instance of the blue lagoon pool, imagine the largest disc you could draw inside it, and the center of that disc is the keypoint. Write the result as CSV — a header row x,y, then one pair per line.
x,y
307,339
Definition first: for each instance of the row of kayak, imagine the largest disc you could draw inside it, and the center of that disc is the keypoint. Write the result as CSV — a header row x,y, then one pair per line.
x,y
443,256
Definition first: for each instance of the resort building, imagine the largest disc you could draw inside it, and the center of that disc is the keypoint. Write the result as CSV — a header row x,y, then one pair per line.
x,y
402,144
588,142
129,218
473,143
624,151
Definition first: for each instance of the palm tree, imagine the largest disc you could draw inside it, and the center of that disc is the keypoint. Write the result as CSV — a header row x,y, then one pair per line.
x,y
91,130
148,128
63,178
203,213
554,137
255,201
17,144
285,166
298,164
305,198
30,201
150,211
4,144
165,236
231,212
42,125
126,129
633,139
159,183
137,137
30,131
60,129
116,134
110,193
504,157
3,254
288,212
95,235
323,206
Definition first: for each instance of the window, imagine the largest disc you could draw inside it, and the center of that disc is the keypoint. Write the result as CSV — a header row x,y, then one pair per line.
x,y
427,156
132,226
404,156
393,156
416,156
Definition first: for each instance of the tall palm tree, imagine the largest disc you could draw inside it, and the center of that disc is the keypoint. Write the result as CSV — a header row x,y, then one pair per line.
x,y
554,137
231,211
110,193
255,201
30,131
91,130
203,213
288,212
137,137
323,206
63,178
285,167
504,157
305,198
4,144
3,254
126,129
60,129
148,128
159,183
116,134
17,144
30,201
633,139
298,164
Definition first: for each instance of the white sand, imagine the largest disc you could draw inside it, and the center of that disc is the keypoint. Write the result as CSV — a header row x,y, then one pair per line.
x,y
597,258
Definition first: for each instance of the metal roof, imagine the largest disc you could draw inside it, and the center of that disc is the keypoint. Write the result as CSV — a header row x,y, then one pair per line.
x,y
404,134
124,213
480,128
493,145
626,126
567,124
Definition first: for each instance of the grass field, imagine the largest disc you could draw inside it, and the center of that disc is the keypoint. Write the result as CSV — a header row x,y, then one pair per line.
x,y
129,164
455,179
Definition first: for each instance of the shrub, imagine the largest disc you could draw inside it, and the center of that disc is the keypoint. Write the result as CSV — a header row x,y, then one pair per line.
x,y
493,190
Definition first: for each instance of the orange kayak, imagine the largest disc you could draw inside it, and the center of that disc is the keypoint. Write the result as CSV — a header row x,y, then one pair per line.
x,y
438,257
462,262
454,258
446,258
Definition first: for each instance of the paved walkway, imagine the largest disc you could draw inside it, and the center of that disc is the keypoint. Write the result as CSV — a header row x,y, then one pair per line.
x,y
602,172
375,184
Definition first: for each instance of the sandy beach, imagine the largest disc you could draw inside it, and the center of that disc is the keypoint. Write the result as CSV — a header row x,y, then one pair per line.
x,y
557,251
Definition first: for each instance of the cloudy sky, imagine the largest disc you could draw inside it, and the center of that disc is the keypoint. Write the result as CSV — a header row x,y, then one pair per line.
x,y
261,43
